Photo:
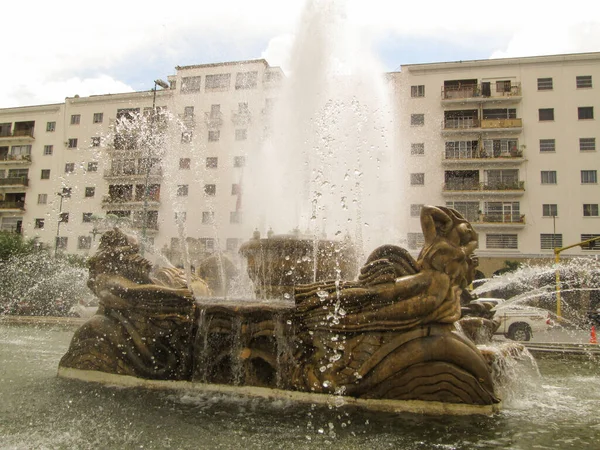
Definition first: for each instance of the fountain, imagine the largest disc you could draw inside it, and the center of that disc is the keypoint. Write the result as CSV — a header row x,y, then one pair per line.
x,y
385,340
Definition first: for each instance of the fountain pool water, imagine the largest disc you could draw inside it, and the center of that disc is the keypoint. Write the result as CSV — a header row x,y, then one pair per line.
x,y
557,409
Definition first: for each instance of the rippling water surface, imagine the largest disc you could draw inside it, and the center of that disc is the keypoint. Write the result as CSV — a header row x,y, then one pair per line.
x,y
559,408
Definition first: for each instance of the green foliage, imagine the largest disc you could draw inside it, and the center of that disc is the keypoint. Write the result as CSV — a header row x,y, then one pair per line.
x,y
13,244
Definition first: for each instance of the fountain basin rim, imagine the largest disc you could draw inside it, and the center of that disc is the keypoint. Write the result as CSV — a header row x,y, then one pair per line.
x,y
388,406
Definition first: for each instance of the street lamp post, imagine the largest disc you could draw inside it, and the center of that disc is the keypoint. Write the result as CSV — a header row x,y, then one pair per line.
x,y
150,151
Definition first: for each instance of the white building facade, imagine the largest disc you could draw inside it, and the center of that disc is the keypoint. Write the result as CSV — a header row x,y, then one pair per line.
x,y
511,143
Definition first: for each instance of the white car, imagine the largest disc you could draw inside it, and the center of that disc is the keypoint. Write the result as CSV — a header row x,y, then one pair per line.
x,y
517,322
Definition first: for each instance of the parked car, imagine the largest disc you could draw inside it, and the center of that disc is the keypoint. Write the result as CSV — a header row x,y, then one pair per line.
x,y
517,322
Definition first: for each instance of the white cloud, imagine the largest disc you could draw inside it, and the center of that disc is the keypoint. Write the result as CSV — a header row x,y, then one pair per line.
x,y
65,45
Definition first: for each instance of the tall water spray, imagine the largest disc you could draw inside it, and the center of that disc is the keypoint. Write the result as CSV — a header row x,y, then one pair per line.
x,y
327,167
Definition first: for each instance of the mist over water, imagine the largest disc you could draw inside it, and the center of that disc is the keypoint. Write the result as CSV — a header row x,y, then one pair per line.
x,y
327,167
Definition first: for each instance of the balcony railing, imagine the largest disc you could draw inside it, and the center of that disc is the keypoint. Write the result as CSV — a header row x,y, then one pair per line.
x,y
460,123
17,181
12,205
473,91
108,200
15,158
502,218
478,186
501,123
481,154
155,172
18,133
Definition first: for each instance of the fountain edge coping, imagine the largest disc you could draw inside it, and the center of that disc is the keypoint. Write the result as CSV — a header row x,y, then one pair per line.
x,y
390,406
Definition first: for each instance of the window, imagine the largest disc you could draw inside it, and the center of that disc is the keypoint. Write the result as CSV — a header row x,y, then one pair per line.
x,y
66,192
212,162
209,244
417,149
587,144
220,81
184,163
39,224
72,143
92,166
182,190
87,218
246,80
417,179
48,150
188,112
241,134
210,189
42,199
547,145
550,241
208,217
96,141
235,217
583,81
415,240
546,114
500,241
75,119
63,217
548,176
549,210
590,210
236,189
98,118
417,91
585,112
213,135
90,191
186,137
415,209
190,84
239,161
469,210
45,174
595,245
417,120
50,126
61,242
589,177
69,167
544,84
232,244
84,242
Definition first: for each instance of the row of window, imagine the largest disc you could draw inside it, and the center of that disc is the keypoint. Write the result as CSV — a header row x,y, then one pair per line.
x,y
583,113
497,241
505,211
495,148
547,177
222,81
76,120
543,84
241,134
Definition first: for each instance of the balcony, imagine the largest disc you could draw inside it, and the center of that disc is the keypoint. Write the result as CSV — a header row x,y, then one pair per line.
x,y
24,134
128,202
213,120
477,188
511,220
481,157
480,93
12,205
18,181
463,125
15,159
155,174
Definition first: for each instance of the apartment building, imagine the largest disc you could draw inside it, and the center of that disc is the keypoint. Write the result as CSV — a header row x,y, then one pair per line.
x,y
65,168
510,143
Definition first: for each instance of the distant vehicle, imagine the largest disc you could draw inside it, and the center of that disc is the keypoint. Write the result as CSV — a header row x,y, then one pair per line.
x,y
518,322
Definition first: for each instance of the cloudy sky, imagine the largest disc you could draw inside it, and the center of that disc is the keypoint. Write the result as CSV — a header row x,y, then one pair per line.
x,y
65,47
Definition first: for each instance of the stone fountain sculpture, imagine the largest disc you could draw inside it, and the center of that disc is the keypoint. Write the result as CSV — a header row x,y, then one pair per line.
x,y
388,335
